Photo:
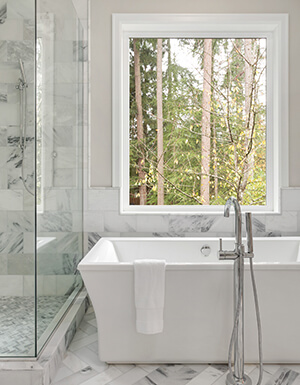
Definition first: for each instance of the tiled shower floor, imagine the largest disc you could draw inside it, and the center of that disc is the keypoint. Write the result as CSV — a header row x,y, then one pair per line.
x,y
17,322
81,366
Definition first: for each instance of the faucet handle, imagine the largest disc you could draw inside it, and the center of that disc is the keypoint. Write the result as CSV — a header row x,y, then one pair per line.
x,y
221,244
226,255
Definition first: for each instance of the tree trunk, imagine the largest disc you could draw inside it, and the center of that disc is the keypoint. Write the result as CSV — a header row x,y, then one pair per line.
x,y
140,130
160,143
215,159
205,121
249,118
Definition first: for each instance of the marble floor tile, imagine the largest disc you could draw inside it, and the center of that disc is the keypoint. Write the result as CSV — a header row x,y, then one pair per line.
x,y
93,347
91,358
79,335
75,345
284,376
77,378
207,376
104,378
148,368
169,375
129,378
83,354
62,373
73,362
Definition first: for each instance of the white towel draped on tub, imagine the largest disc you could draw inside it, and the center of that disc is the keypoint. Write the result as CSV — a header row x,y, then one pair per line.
x,y
149,288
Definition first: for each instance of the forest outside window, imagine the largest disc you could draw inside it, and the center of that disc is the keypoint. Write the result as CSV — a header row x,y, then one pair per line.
x,y
199,117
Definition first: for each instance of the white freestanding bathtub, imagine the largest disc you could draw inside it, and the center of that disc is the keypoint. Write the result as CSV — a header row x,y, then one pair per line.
x,y
198,311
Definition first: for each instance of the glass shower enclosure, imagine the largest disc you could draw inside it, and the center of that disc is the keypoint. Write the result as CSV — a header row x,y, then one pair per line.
x,y
42,64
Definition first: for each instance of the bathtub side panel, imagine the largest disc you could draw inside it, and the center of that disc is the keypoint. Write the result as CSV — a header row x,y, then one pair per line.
x,y
197,317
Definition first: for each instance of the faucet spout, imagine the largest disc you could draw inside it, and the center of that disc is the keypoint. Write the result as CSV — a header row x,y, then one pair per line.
x,y
238,219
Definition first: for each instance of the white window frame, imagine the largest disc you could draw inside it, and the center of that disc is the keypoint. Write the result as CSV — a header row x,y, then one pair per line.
x,y
273,27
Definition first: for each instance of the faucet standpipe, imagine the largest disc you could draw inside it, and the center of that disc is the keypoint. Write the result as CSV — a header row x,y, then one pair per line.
x,y
237,376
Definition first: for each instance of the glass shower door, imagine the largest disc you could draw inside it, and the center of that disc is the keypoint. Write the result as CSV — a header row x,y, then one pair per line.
x,y
60,61
17,190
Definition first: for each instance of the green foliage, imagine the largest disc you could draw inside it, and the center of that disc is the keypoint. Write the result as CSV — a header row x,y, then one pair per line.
x,y
238,152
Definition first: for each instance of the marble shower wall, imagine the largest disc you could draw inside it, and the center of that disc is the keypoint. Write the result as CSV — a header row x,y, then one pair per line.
x,y
63,48
102,218
64,116
16,204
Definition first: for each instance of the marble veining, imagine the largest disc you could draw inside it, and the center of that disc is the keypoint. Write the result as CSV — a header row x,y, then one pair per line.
x,y
3,13
191,223
55,221
11,242
81,366
284,376
20,50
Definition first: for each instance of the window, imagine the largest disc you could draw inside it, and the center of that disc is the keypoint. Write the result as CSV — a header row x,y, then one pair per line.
x,y
199,111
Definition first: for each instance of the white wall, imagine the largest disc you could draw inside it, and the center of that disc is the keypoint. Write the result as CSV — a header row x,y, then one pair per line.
x,y
100,69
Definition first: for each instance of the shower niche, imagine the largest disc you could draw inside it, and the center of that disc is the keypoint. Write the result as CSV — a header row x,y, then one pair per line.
x,y
42,83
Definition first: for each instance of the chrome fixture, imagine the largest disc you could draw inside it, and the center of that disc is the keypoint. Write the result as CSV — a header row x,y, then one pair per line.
x,y
22,87
237,376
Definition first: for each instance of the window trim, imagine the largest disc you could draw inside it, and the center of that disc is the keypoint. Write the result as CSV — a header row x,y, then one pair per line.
x,y
274,27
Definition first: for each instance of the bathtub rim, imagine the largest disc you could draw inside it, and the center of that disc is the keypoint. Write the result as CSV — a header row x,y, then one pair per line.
x,y
85,265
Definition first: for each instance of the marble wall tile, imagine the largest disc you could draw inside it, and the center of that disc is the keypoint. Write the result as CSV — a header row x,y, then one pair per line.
x,y
3,221
3,51
55,221
14,158
113,221
28,29
3,13
20,264
11,285
11,200
22,221
3,136
77,222
3,264
64,284
3,178
223,225
20,9
93,238
103,199
23,50
94,221
9,114
63,51
66,72
152,223
14,181
3,93
64,136
66,157
65,114
12,29
28,242
65,177
259,225
48,285
28,285
191,223
284,223
8,73
57,264
3,156
11,243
